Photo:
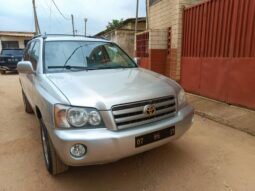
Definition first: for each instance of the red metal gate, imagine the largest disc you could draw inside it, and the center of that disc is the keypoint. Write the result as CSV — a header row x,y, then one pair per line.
x,y
218,54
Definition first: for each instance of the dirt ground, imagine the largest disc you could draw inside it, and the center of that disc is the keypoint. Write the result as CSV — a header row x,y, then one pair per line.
x,y
208,157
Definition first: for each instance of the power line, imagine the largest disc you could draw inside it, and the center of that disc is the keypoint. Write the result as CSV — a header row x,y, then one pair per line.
x,y
50,10
50,17
47,10
60,11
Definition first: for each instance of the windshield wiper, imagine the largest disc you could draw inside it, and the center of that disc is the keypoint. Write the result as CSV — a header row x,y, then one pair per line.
x,y
105,67
71,55
110,67
68,67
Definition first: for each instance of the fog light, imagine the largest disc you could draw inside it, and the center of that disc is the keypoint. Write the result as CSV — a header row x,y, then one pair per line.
x,y
193,119
78,150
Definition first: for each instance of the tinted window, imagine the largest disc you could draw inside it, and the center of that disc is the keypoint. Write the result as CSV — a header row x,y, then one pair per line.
x,y
84,55
26,55
34,52
15,52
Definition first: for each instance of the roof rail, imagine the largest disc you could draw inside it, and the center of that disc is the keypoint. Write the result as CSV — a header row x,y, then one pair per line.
x,y
38,35
98,37
46,35
63,35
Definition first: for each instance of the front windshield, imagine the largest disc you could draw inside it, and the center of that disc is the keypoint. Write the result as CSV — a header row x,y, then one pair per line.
x,y
66,56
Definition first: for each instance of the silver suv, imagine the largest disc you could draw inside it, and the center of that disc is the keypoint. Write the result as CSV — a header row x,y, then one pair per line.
x,y
94,104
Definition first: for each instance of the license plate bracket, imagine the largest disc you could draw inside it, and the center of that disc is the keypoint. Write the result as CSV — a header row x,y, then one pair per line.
x,y
154,136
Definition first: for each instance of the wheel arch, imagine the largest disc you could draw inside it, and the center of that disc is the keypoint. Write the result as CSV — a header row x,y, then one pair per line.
x,y
38,112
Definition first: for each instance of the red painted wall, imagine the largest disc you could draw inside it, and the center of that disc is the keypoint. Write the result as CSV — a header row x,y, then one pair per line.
x,y
144,62
158,60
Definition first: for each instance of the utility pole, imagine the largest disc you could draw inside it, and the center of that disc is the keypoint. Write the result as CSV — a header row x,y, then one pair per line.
x,y
73,24
37,28
136,23
85,20
147,20
136,19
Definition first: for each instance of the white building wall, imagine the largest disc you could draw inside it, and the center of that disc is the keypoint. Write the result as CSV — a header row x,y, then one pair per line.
x,y
11,38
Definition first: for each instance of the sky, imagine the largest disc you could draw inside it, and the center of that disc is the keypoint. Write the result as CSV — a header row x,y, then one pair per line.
x,y
17,15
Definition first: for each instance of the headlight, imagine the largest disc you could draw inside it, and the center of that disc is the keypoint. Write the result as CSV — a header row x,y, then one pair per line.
x,y
181,98
60,116
77,117
67,117
94,118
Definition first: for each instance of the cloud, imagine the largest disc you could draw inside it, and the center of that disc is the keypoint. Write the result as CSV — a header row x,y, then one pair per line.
x,y
98,12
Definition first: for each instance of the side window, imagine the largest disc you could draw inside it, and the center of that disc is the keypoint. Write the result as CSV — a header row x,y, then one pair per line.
x,y
34,53
26,52
99,55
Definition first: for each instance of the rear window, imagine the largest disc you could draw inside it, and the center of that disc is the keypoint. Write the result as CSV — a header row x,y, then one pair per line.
x,y
15,52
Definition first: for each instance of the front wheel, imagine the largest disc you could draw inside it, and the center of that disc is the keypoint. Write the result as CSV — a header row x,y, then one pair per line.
x,y
53,163
2,71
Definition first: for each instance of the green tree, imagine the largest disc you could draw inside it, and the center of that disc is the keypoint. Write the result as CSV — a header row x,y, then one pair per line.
x,y
114,24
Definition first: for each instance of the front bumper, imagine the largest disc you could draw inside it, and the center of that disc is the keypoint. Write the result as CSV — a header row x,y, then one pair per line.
x,y
105,146
8,68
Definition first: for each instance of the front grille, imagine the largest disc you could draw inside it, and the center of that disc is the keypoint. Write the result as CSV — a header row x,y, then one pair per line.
x,y
132,114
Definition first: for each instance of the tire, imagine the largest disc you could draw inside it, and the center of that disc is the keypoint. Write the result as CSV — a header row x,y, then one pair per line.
x,y
28,107
2,72
53,163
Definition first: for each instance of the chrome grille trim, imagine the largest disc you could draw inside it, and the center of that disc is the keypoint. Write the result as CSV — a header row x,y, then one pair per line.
x,y
140,116
130,115
140,108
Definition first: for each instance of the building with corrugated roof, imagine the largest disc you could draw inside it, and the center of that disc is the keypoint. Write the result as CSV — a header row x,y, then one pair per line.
x,y
124,35
14,39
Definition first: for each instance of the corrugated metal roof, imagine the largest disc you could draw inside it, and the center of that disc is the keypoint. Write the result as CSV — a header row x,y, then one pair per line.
x,y
17,34
130,20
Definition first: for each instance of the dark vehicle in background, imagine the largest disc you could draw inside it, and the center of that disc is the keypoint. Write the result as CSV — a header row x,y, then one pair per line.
x,y
9,59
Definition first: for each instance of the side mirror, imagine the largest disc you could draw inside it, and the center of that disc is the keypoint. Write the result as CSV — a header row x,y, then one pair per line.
x,y
25,67
137,61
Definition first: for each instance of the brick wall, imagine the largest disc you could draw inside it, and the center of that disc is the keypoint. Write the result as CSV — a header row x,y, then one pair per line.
x,y
161,16
158,60
157,51
158,39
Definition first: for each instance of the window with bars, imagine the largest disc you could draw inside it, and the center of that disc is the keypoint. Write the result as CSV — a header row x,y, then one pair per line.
x,y
152,2
10,44
142,45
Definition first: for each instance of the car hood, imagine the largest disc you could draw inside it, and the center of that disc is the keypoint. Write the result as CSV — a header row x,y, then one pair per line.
x,y
103,89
